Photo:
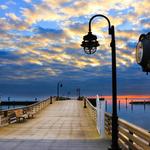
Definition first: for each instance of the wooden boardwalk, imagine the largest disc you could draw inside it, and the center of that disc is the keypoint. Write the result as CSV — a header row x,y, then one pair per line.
x,y
64,125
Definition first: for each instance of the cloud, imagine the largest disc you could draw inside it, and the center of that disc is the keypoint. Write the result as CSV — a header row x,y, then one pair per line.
x,y
13,16
41,40
46,13
13,23
28,1
3,7
44,31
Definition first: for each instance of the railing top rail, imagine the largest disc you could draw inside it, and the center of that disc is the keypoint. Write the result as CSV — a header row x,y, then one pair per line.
x,y
122,121
131,128
135,129
128,124
25,107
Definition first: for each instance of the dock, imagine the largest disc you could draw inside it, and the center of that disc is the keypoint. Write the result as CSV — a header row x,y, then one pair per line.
x,y
51,124
140,102
64,125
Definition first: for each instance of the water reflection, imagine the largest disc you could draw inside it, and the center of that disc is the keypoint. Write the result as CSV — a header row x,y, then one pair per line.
x,y
138,114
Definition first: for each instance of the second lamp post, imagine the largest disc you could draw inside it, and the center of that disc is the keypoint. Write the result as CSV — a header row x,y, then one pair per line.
x,y
59,84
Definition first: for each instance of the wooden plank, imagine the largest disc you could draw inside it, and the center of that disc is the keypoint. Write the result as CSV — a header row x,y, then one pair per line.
x,y
122,145
136,130
134,139
128,143
108,119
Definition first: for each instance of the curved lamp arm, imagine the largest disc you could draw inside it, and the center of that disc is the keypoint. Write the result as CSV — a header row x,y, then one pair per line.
x,y
99,15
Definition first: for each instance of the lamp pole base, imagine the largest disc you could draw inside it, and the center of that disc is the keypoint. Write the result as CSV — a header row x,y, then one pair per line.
x,y
114,148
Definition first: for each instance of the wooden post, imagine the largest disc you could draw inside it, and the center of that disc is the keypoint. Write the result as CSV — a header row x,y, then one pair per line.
x,y
5,113
119,105
84,103
106,105
130,140
51,100
132,105
126,103
144,105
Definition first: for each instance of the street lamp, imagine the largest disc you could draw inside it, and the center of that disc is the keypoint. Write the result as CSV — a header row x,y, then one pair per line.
x,y
90,45
59,84
78,93
68,94
35,99
143,52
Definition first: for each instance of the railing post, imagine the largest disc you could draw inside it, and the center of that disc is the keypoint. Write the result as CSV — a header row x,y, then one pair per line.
x,y
126,103
51,101
130,140
84,103
5,113
119,105
106,105
132,105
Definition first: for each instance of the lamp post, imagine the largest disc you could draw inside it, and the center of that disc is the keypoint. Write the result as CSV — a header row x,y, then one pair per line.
x,y
78,93
59,84
90,45
68,93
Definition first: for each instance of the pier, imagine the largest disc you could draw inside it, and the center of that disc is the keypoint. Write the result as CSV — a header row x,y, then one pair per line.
x,y
65,125
140,102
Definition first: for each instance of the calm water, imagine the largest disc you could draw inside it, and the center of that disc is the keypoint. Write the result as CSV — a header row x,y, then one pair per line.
x,y
10,107
15,98
138,115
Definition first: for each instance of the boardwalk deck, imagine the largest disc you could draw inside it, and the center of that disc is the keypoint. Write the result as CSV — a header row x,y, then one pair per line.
x,y
64,125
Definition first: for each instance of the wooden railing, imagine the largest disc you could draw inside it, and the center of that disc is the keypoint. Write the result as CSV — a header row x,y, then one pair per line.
x,y
91,109
108,122
131,137
11,115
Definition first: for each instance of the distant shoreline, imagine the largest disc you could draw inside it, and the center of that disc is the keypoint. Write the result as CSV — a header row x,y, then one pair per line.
x,y
7,103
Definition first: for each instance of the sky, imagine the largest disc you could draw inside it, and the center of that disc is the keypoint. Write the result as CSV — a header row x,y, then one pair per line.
x,y
40,46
